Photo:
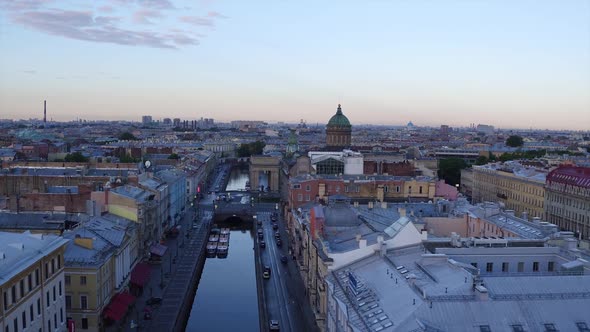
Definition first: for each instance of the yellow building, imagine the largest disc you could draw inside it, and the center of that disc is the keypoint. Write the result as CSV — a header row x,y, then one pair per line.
x,y
32,282
517,187
97,269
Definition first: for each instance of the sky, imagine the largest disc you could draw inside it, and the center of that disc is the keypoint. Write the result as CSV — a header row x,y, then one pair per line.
x,y
511,64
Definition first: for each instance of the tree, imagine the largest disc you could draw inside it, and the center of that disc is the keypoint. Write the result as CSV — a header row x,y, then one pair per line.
x,y
449,169
514,141
174,156
76,157
249,149
128,159
481,160
127,136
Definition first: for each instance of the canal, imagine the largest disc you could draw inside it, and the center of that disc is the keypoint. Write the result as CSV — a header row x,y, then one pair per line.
x,y
226,297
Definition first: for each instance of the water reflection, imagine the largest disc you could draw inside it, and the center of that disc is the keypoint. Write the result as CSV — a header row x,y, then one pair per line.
x,y
237,179
226,298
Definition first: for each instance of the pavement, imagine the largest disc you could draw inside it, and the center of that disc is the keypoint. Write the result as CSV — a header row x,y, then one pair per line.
x,y
163,278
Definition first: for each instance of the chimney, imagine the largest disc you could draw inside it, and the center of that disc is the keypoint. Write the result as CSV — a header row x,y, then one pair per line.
x,y
525,215
402,212
384,205
481,293
510,212
84,242
537,220
45,111
370,205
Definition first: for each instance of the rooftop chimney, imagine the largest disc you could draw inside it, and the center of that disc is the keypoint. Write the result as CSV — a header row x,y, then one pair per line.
x,y
45,111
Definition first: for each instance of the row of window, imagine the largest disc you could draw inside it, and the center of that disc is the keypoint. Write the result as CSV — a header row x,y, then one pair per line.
x,y
520,266
24,321
83,302
30,282
68,280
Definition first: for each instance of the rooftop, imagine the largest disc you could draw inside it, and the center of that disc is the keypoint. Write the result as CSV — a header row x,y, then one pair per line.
x,y
18,251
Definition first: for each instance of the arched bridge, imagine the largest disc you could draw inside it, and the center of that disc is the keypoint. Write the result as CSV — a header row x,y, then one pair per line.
x,y
232,212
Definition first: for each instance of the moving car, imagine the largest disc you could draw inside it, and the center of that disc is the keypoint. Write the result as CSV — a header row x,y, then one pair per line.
x,y
279,242
275,226
266,272
274,325
262,244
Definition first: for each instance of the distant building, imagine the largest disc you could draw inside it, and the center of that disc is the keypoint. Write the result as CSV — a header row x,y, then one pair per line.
x,y
517,187
146,120
485,129
567,200
176,122
167,121
32,282
338,131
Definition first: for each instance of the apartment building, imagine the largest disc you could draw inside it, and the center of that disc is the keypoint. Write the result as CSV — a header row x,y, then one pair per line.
x,y
32,282
567,201
517,187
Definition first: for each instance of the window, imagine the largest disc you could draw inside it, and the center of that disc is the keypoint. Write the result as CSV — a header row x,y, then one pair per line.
x,y
30,281
299,197
484,328
49,325
31,313
307,187
36,277
83,302
535,266
55,320
24,316
68,302
61,315
505,267
307,198
550,328
385,189
550,266
60,288
46,270
397,189
474,265
345,188
489,267
52,265
296,186
517,328
420,189
84,323
13,293
5,300
82,280
39,306
7,328
58,262
520,266
48,298
54,297
68,280
15,324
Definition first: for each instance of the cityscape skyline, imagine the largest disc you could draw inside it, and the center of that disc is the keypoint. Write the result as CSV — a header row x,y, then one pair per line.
x,y
511,65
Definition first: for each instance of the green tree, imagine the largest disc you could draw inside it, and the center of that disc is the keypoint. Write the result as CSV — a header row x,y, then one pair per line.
x,y
249,149
127,136
514,141
76,157
174,156
449,169
481,160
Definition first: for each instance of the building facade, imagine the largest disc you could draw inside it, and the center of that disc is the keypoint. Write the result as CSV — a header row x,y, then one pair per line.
x,y
567,202
32,282
518,188
338,131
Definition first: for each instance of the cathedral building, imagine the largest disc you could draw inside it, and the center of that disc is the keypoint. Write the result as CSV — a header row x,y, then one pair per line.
x,y
338,131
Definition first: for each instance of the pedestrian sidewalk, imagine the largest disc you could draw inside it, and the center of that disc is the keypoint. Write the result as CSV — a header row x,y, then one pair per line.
x,y
162,275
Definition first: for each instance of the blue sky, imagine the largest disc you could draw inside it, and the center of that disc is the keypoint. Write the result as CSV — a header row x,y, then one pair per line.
x,y
512,64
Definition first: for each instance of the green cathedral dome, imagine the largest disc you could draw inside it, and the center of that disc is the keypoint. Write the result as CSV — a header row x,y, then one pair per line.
x,y
339,119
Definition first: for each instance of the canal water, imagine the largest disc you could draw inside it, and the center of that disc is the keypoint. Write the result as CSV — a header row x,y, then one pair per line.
x,y
237,179
226,298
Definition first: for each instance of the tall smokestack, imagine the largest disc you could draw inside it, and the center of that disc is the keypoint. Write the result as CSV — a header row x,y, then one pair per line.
x,y
45,111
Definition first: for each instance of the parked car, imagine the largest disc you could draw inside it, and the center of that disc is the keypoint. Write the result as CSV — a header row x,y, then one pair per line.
x,y
279,243
266,272
274,325
260,236
262,244
275,226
